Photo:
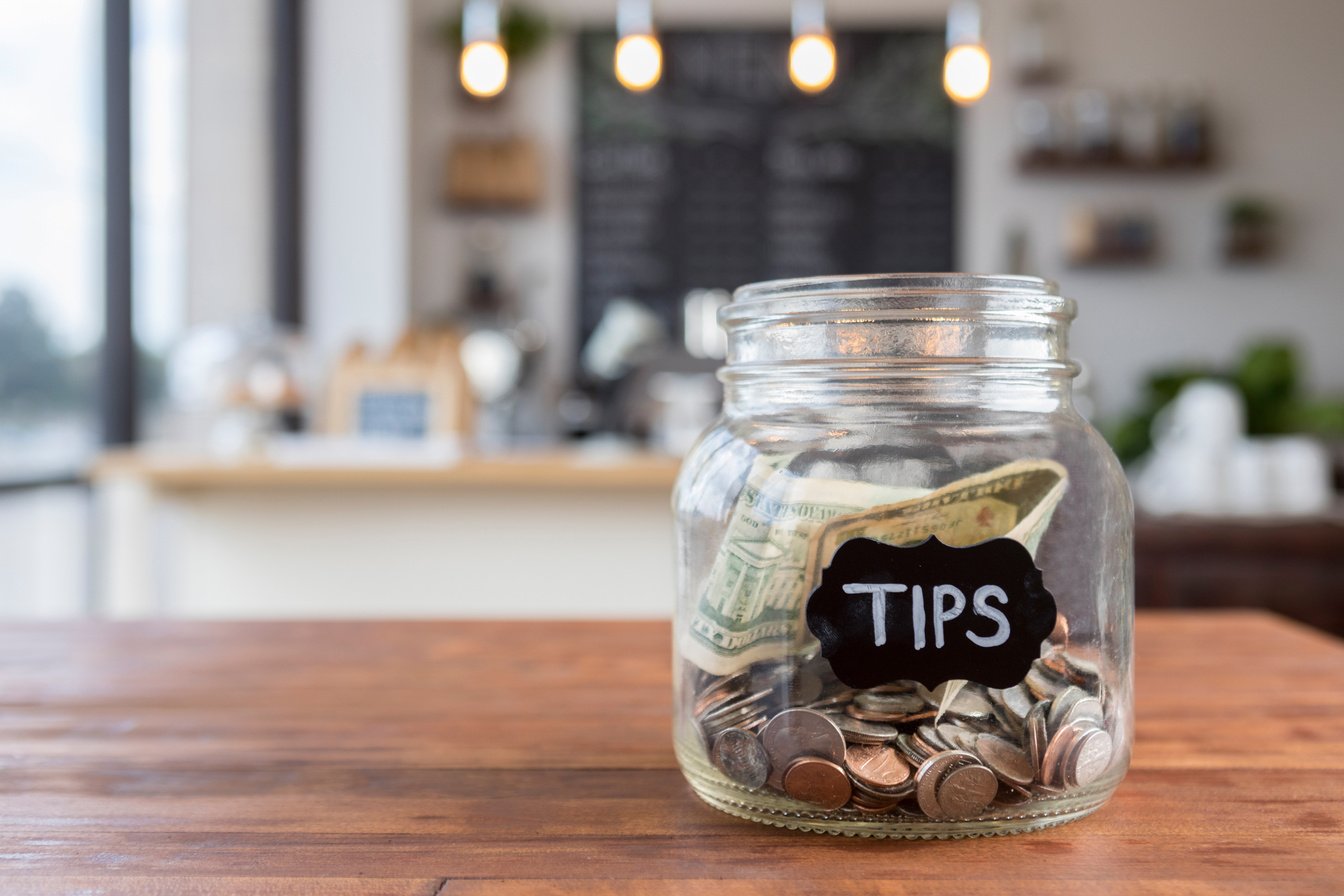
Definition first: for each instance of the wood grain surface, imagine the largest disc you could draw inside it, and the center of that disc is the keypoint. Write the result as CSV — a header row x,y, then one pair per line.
x,y
503,758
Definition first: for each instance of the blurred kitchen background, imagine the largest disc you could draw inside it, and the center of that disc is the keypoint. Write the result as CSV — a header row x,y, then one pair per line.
x,y
351,307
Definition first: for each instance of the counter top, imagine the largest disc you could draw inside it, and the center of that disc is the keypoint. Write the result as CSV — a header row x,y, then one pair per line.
x,y
447,757
558,468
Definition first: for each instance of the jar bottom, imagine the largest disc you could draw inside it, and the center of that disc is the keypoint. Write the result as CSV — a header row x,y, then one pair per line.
x,y
766,807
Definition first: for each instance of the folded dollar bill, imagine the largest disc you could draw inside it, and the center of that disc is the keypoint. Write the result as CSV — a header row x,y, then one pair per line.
x,y
785,528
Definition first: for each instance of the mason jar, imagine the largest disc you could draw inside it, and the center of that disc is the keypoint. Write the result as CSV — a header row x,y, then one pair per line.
x,y
905,593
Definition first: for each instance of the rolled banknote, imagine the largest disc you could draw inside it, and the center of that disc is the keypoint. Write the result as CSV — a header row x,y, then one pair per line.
x,y
785,528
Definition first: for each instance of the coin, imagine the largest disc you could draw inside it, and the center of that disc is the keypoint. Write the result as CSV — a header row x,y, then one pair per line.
x,y
818,781
894,687
1017,700
1086,709
928,736
1090,756
895,704
802,732
971,705
877,766
1038,736
1011,764
910,750
929,776
1057,752
740,756
1060,706
966,790
861,732
956,737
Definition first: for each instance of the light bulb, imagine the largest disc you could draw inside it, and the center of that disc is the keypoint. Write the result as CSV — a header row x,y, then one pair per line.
x,y
639,61
484,68
966,73
812,62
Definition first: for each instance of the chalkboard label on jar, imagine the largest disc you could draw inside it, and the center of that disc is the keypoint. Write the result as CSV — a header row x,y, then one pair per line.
x,y
931,613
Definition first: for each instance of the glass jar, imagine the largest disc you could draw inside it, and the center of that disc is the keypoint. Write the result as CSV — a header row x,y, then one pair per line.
x,y
904,565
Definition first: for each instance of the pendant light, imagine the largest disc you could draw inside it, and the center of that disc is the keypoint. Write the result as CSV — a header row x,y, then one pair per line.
x,y
639,56
484,66
812,53
966,65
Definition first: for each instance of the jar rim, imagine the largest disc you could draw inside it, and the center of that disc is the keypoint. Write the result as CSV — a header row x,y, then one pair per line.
x,y
899,285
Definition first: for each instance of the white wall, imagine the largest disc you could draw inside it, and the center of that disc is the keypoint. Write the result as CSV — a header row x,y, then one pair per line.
x,y
356,257
227,178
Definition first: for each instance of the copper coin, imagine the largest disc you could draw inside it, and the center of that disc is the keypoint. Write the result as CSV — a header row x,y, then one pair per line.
x,y
740,756
817,781
1005,760
966,790
877,765
929,776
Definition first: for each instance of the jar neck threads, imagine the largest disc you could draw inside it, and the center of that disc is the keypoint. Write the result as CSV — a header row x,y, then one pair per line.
x,y
933,340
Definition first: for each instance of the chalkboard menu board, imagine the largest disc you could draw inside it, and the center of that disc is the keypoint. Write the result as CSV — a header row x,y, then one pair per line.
x,y
726,173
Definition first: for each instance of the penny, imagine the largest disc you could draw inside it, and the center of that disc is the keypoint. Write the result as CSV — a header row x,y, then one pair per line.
x,y
966,790
740,756
1009,763
877,766
818,781
1090,756
929,776
802,732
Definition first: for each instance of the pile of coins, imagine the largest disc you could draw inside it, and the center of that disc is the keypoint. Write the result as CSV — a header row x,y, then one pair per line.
x,y
794,728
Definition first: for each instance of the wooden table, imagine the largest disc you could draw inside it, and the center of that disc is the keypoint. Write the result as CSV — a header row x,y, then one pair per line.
x,y
492,758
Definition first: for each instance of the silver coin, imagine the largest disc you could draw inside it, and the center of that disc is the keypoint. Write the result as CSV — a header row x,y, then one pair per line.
x,y
1060,706
740,756
1017,700
930,736
1011,764
1038,737
1087,709
1090,756
1055,762
802,732
910,750
971,705
957,737
966,790
860,731
930,775
896,704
